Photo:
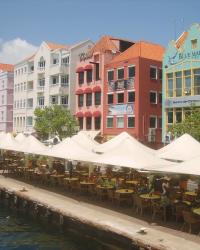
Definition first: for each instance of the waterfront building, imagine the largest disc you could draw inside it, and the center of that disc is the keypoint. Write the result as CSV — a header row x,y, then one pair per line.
x,y
46,78
181,78
133,93
6,97
90,79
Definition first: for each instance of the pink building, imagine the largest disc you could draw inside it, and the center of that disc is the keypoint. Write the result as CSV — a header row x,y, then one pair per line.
x,y
90,79
6,97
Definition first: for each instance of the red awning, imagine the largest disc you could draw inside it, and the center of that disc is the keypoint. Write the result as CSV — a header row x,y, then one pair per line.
x,y
88,67
79,91
88,90
79,114
96,113
80,69
88,114
97,89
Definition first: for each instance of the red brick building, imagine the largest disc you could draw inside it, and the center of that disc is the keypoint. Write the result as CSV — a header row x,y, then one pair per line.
x,y
133,93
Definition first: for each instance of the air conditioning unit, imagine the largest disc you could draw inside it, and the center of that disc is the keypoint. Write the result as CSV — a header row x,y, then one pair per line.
x,y
152,135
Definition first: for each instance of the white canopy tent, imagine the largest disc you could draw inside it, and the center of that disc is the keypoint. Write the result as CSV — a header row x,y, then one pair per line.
x,y
69,149
20,137
190,167
8,142
31,145
84,141
90,133
181,149
117,140
132,155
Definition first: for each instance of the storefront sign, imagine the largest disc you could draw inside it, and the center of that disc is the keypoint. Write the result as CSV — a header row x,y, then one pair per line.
x,y
84,56
121,109
184,101
177,57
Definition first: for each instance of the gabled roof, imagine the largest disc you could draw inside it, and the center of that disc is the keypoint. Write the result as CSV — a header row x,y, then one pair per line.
x,y
54,46
104,44
6,67
141,49
180,41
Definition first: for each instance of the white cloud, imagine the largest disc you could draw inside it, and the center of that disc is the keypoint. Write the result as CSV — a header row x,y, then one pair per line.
x,y
15,50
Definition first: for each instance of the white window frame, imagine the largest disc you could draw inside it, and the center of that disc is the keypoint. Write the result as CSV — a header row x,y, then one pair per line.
x,y
153,91
127,120
154,67
118,75
107,122
153,116
127,95
120,116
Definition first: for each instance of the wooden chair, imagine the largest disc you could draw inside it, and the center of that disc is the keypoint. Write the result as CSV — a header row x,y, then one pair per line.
x,y
158,209
141,204
190,220
111,195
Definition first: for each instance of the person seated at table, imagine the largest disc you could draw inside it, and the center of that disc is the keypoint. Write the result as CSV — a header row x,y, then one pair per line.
x,y
109,182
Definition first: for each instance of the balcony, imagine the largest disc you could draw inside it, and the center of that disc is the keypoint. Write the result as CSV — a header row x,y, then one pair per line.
x,y
59,69
121,84
41,70
40,88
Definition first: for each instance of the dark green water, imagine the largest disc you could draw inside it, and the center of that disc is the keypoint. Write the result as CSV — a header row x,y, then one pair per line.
x,y
17,232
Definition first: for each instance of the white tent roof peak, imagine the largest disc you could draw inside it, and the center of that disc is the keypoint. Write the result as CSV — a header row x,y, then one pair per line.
x,y
183,148
20,137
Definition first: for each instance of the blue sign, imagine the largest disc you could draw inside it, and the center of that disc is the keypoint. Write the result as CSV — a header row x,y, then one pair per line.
x,y
183,101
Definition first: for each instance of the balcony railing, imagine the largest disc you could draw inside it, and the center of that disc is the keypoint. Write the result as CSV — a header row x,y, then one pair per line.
x,y
121,84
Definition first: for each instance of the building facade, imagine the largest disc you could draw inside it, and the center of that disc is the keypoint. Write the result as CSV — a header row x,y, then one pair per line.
x,y
90,79
181,78
46,78
6,97
133,93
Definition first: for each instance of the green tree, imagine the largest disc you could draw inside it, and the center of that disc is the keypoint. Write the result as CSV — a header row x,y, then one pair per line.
x,y
54,120
190,125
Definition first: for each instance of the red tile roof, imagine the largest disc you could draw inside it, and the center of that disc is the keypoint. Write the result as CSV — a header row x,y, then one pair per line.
x,y
54,46
104,44
180,41
6,67
141,49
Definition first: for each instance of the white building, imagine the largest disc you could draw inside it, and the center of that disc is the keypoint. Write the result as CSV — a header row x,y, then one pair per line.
x,y
6,97
46,78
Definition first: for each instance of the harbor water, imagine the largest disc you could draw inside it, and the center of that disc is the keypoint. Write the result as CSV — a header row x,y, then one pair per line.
x,y
22,233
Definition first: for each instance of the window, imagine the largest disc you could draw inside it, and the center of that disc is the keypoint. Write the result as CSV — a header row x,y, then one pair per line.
x,y
120,73
2,84
80,77
64,80
55,61
30,103
97,98
54,99
170,116
178,83
131,71
89,76
153,97
131,96
170,85
24,103
97,123
160,74
20,103
64,100
160,98
41,101
80,121
88,123
188,82
110,75
29,121
110,98
2,99
89,99
24,86
41,82
41,63
153,72
2,115
97,72
131,121
196,81
65,60
194,43
109,123
55,80
178,115
120,121
80,100
153,122
120,97
160,122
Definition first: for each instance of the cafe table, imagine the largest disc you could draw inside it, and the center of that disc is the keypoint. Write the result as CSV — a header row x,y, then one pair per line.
x,y
196,211
133,182
124,191
150,196
71,179
105,187
191,194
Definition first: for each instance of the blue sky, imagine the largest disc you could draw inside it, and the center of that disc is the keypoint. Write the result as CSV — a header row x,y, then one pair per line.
x,y
70,21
